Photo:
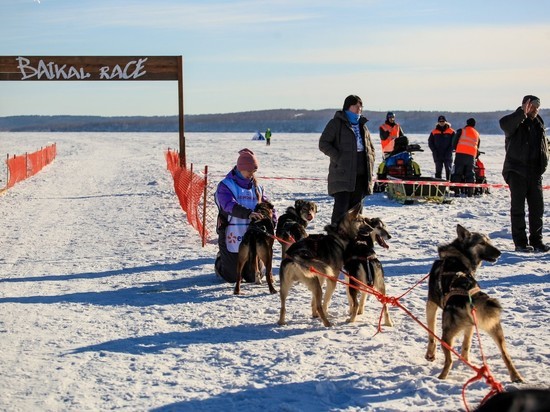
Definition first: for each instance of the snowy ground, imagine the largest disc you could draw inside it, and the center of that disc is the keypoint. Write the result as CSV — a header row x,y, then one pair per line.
x,y
108,301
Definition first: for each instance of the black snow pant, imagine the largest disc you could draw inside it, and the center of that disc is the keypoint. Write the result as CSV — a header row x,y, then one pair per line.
x,y
464,171
439,164
526,189
226,263
344,201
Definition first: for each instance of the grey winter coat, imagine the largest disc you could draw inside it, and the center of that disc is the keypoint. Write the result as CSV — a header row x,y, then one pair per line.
x,y
517,132
338,142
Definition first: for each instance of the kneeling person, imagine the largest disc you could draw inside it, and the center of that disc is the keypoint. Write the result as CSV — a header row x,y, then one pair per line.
x,y
236,196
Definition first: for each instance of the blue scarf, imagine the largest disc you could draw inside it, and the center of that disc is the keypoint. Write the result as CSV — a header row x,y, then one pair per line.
x,y
353,117
354,120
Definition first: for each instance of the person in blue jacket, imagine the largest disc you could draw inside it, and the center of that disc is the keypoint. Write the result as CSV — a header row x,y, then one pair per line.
x,y
236,196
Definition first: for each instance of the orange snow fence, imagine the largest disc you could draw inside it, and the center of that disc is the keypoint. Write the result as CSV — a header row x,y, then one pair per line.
x,y
21,167
191,191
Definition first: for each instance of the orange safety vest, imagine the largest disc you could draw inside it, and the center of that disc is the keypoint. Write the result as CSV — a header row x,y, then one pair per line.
x,y
448,130
388,144
468,142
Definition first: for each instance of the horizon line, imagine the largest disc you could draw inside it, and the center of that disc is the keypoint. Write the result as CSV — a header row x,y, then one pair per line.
x,y
253,111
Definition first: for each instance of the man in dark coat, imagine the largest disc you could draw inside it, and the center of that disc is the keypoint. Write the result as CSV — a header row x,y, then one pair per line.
x,y
347,142
441,145
524,164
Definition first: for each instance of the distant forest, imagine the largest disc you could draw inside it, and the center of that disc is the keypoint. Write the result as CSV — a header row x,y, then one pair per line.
x,y
279,121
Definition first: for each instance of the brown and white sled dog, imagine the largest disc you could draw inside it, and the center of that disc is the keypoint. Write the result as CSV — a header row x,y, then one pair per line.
x,y
362,264
291,225
452,285
256,246
324,253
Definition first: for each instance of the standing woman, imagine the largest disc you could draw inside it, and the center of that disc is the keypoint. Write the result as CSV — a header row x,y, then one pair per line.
x,y
346,141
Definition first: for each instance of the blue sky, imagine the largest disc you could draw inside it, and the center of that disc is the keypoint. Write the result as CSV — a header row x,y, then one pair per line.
x,y
255,55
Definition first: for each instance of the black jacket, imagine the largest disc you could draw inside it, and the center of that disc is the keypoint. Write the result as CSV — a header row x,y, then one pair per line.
x,y
441,142
522,139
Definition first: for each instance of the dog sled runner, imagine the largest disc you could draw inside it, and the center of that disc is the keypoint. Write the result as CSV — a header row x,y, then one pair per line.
x,y
420,189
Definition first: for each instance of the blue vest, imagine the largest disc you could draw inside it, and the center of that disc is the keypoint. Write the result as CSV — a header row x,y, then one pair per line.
x,y
237,227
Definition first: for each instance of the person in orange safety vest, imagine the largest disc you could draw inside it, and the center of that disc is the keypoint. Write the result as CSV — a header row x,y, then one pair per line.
x,y
389,131
466,146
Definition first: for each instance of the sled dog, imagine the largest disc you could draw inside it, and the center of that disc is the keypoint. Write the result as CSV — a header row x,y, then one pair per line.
x,y
363,265
527,400
452,286
291,226
256,246
324,253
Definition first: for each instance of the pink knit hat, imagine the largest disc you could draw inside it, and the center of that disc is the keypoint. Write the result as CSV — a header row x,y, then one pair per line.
x,y
247,161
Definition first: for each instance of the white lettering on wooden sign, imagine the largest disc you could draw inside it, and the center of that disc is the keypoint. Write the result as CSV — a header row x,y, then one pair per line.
x,y
134,69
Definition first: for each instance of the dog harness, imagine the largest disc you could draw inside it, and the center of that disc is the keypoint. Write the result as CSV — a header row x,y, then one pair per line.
x,y
311,249
368,264
455,291
362,258
460,292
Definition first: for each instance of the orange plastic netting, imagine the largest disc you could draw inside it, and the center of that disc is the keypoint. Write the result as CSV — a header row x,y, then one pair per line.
x,y
189,188
21,167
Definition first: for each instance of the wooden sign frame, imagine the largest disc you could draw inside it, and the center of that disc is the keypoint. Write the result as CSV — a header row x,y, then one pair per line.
x,y
99,68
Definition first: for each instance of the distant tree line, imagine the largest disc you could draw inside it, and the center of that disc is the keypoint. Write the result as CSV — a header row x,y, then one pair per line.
x,y
279,120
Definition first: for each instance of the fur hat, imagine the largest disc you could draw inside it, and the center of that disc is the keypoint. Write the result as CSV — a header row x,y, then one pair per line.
x,y
247,161
471,122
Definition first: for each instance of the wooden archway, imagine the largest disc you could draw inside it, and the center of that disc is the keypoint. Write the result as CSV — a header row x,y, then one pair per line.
x,y
99,68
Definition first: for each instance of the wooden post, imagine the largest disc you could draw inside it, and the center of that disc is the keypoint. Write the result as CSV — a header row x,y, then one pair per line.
x,y
183,160
203,235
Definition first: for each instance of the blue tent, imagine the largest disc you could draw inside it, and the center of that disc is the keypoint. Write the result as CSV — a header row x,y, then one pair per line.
x,y
258,136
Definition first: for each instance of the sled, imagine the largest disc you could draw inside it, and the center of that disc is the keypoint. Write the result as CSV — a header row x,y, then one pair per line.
x,y
400,177
418,190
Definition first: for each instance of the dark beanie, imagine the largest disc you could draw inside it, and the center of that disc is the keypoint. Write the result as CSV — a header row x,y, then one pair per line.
x,y
534,99
441,119
471,122
247,161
